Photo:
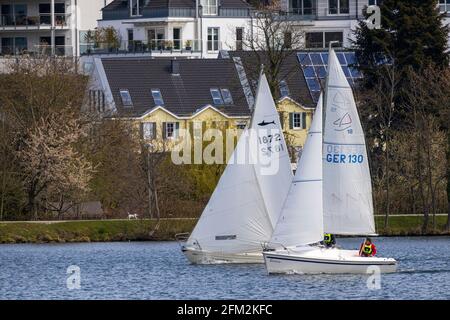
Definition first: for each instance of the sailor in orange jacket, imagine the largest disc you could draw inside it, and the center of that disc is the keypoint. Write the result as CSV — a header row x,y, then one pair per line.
x,y
367,248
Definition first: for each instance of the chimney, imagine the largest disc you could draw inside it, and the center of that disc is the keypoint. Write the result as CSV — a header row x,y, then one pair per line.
x,y
175,67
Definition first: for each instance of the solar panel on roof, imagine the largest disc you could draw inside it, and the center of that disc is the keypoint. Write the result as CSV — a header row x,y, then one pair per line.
x,y
315,64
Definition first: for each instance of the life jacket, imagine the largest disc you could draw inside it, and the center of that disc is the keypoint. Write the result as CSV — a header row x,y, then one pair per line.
x,y
367,249
327,238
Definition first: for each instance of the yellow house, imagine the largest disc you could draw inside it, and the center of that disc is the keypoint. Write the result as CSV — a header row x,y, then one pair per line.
x,y
163,97
296,120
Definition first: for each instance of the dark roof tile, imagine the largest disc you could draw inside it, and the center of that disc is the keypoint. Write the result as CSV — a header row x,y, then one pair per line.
x,y
183,94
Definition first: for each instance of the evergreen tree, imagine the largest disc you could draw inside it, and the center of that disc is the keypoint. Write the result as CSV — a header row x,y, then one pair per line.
x,y
412,34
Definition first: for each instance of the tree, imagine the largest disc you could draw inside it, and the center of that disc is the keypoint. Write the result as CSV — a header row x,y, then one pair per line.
x,y
104,38
378,108
274,39
413,39
41,106
50,165
413,33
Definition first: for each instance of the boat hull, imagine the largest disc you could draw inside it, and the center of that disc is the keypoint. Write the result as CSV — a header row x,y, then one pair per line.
x,y
323,260
203,257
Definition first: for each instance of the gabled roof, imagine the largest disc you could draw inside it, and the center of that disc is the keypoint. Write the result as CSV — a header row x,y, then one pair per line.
x,y
183,94
290,72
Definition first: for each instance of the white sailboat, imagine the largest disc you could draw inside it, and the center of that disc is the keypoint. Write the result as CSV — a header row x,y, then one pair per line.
x,y
243,209
331,191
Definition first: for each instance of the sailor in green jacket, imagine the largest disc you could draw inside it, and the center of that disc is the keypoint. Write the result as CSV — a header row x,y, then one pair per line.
x,y
329,240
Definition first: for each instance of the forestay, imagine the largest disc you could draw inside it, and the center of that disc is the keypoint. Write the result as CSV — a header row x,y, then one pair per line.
x,y
301,219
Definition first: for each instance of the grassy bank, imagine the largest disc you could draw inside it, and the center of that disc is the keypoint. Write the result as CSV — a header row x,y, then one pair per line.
x,y
137,230
410,225
95,231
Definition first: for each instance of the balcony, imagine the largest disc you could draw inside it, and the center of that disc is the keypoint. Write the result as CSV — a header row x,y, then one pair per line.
x,y
334,10
42,21
36,51
159,47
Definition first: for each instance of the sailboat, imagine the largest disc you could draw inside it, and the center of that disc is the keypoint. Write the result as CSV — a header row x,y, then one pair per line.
x,y
244,207
331,191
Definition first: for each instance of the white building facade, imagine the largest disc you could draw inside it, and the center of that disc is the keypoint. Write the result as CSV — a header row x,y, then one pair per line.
x,y
46,26
334,20
180,27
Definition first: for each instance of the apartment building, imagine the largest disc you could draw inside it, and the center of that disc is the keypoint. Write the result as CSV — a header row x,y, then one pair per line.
x,y
334,20
44,26
178,27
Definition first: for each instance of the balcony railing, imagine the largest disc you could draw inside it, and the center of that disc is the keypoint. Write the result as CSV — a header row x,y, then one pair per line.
x,y
37,50
166,46
8,20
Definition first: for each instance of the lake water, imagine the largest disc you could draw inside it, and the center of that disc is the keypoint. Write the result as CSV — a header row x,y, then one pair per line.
x,y
158,270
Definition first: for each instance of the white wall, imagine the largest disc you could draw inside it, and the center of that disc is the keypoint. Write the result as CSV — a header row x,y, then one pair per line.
x,y
227,32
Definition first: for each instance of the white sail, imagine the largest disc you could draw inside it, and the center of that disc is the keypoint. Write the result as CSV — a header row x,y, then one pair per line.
x,y
242,211
347,190
272,165
301,219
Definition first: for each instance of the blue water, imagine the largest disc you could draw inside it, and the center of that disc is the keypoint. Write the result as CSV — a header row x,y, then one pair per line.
x,y
158,270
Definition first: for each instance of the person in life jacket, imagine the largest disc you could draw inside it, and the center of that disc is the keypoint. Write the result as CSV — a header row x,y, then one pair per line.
x,y
367,248
329,240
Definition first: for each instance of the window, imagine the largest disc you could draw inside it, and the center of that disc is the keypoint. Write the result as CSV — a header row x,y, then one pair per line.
x,y
17,45
322,39
177,38
130,33
288,40
148,130
14,14
444,5
126,98
213,39
297,120
241,125
378,2
284,90
222,96
338,7
226,95
217,97
45,13
210,7
171,130
157,97
239,38
334,36
302,7
136,7
97,100
197,128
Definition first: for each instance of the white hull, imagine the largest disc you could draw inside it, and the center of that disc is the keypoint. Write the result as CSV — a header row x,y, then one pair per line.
x,y
315,260
204,257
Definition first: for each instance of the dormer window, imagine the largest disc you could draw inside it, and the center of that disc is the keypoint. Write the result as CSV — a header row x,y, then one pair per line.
x,y
217,97
157,97
221,96
126,98
210,7
136,7
226,95
284,89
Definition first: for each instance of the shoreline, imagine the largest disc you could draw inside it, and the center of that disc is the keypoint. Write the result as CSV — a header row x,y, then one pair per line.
x,y
74,231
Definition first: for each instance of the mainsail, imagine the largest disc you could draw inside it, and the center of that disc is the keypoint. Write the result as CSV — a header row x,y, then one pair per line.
x,y
347,190
301,219
247,201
